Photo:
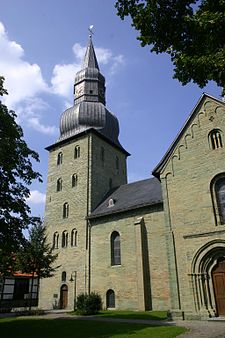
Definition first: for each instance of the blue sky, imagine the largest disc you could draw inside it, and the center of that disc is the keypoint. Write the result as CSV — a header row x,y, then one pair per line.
x,y
41,48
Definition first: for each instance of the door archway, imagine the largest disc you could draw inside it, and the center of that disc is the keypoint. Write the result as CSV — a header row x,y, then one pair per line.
x,y
218,276
207,279
63,296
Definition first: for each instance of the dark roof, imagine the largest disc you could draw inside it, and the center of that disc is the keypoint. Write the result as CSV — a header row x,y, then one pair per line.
x,y
156,171
130,196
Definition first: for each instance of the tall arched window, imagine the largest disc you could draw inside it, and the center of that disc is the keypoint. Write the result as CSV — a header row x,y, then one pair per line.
x,y
63,278
59,184
74,237
215,139
117,163
66,210
55,240
102,154
77,152
220,198
74,180
115,249
59,158
64,239
110,299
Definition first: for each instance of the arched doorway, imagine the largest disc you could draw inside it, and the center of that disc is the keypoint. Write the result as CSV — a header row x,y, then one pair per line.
x,y
63,296
110,299
218,276
207,278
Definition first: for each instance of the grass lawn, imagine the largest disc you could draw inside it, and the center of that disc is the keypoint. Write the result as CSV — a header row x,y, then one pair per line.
x,y
154,315
67,328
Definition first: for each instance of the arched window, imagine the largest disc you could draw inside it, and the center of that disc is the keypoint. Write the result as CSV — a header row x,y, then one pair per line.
x,y
110,183
77,152
63,279
59,184
102,154
74,237
215,139
66,210
117,163
74,180
59,158
115,249
55,240
110,299
64,239
220,198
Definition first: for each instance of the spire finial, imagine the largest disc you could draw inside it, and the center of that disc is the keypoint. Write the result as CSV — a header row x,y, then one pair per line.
x,y
90,30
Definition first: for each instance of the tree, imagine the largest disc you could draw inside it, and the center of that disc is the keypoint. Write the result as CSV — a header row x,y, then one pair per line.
x,y
36,256
191,32
16,174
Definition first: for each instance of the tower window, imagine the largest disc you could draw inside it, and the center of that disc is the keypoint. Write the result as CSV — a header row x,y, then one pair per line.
x,y
117,163
59,184
102,155
110,183
74,180
110,299
64,239
115,249
77,152
215,139
63,276
74,237
55,240
65,210
59,158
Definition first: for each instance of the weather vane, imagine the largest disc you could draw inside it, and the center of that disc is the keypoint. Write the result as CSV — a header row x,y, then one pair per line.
x,y
91,30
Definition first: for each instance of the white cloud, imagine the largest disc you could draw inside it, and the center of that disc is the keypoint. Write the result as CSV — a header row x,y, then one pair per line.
x,y
63,79
24,83
22,79
36,197
31,111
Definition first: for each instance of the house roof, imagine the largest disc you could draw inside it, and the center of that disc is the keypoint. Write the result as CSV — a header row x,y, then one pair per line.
x,y
130,196
156,171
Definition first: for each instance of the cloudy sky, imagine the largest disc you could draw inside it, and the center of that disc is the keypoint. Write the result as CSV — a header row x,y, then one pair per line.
x,y
42,44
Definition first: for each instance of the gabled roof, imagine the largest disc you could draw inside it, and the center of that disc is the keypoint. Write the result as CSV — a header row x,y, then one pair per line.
x,y
130,196
156,171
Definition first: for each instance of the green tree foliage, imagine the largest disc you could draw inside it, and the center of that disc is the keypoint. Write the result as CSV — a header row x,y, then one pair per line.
x,y
191,32
89,304
36,256
16,174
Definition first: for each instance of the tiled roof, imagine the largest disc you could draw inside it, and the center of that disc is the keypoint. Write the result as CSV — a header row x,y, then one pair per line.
x,y
130,196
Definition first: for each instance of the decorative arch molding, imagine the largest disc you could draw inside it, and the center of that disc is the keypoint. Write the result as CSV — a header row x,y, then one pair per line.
x,y
204,261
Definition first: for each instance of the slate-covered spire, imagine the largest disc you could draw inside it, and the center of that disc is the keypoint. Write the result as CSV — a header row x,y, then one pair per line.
x,y
89,85
90,59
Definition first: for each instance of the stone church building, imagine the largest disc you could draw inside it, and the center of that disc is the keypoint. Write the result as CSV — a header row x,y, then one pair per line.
x,y
154,244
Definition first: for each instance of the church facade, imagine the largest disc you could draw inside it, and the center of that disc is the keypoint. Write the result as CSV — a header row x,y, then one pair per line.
x,y
154,244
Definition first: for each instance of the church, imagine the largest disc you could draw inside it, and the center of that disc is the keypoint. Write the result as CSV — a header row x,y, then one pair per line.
x,y
155,244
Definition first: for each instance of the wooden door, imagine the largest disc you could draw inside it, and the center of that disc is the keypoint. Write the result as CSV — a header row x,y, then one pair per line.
x,y
218,275
63,296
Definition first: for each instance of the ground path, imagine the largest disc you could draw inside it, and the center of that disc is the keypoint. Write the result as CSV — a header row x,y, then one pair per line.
x,y
197,329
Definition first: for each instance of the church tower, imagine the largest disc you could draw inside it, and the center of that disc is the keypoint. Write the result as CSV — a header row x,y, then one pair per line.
x,y
85,163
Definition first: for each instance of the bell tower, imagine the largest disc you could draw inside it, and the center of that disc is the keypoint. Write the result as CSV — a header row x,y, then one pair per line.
x,y
85,163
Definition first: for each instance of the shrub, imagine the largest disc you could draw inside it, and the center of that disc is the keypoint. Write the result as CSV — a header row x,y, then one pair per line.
x,y
89,304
